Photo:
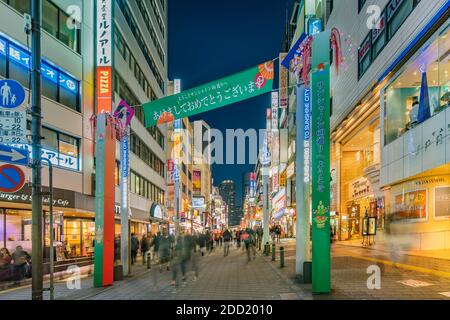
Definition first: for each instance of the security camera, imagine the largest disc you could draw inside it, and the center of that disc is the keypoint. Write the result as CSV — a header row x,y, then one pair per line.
x,y
27,23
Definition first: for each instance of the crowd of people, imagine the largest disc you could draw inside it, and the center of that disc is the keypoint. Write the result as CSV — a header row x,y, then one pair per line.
x,y
15,266
180,255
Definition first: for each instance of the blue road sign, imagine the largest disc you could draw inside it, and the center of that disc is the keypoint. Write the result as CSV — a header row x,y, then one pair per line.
x,y
14,155
12,94
12,178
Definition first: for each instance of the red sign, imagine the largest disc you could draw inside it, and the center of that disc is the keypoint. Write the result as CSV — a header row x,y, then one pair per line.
x,y
104,89
170,165
12,178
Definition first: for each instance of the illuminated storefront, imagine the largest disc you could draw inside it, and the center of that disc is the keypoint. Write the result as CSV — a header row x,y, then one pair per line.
x,y
416,141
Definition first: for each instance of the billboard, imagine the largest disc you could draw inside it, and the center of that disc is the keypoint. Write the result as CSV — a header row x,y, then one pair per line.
x,y
196,180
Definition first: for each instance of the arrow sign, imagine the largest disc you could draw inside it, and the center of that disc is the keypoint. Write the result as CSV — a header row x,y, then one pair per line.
x,y
14,155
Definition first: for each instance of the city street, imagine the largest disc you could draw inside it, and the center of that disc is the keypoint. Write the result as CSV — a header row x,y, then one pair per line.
x,y
147,131
223,278
220,278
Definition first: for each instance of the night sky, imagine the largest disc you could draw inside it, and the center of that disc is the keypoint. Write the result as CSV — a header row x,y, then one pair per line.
x,y
212,39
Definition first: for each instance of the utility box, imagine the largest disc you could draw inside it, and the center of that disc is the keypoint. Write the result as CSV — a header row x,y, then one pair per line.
x,y
307,272
118,272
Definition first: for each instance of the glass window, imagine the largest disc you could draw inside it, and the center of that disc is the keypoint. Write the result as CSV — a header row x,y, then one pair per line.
x,y
138,184
3,48
19,73
23,6
68,36
50,140
379,36
50,18
364,56
68,145
69,98
132,182
49,89
403,93
397,14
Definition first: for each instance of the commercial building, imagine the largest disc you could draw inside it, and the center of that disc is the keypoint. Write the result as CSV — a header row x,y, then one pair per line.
x,y
68,102
203,199
228,192
389,123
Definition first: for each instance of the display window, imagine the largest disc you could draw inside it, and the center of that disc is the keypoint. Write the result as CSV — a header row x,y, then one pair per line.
x,y
18,229
79,235
422,90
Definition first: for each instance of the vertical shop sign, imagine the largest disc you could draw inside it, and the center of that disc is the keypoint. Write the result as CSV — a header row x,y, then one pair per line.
x,y
321,180
104,42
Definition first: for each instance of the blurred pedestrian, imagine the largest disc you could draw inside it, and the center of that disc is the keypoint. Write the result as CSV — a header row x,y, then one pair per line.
x,y
145,245
238,239
164,252
117,249
227,239
156,243
21,260
259,234
134,248
5,265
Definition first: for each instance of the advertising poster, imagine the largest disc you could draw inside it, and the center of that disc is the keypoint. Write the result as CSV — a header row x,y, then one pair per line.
x,y
196,180
410,205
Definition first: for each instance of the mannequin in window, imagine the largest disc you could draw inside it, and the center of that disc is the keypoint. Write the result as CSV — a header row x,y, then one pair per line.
x,y
414,113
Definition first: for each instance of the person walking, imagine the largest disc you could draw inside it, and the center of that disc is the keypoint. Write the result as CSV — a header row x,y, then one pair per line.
x,y
238,238
164,252
245,238
144,247
20,259
134,248
260,233
178,263
156,243
278,233
227,239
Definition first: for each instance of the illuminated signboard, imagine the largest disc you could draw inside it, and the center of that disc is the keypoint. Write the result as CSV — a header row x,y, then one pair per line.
x,y
306,134
23,58
198,202
104,55
56,158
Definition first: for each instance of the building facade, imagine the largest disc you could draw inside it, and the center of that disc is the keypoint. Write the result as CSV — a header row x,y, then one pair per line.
x,y
68,102
388,138
228,193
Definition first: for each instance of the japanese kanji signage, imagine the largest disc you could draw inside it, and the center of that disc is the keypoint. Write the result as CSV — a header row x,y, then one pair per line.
x,y
13,126
219,93
321,173
104,41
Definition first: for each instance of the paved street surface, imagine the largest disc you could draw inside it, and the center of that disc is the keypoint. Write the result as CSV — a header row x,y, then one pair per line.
x,y
402,277
221,278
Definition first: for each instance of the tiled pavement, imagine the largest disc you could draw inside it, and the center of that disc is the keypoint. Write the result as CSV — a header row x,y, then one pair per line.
x,y
232,277
349,274
220,278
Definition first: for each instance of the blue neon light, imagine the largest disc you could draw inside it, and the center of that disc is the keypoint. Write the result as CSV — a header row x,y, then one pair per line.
x,y
68,83
23,58
2,47
49,73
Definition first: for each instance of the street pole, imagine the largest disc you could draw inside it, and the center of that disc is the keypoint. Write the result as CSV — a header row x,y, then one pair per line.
x,y
265,173
36,126
177,158
52,256
303,179
124,202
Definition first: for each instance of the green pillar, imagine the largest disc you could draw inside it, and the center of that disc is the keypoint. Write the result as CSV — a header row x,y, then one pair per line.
x,y
320,130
